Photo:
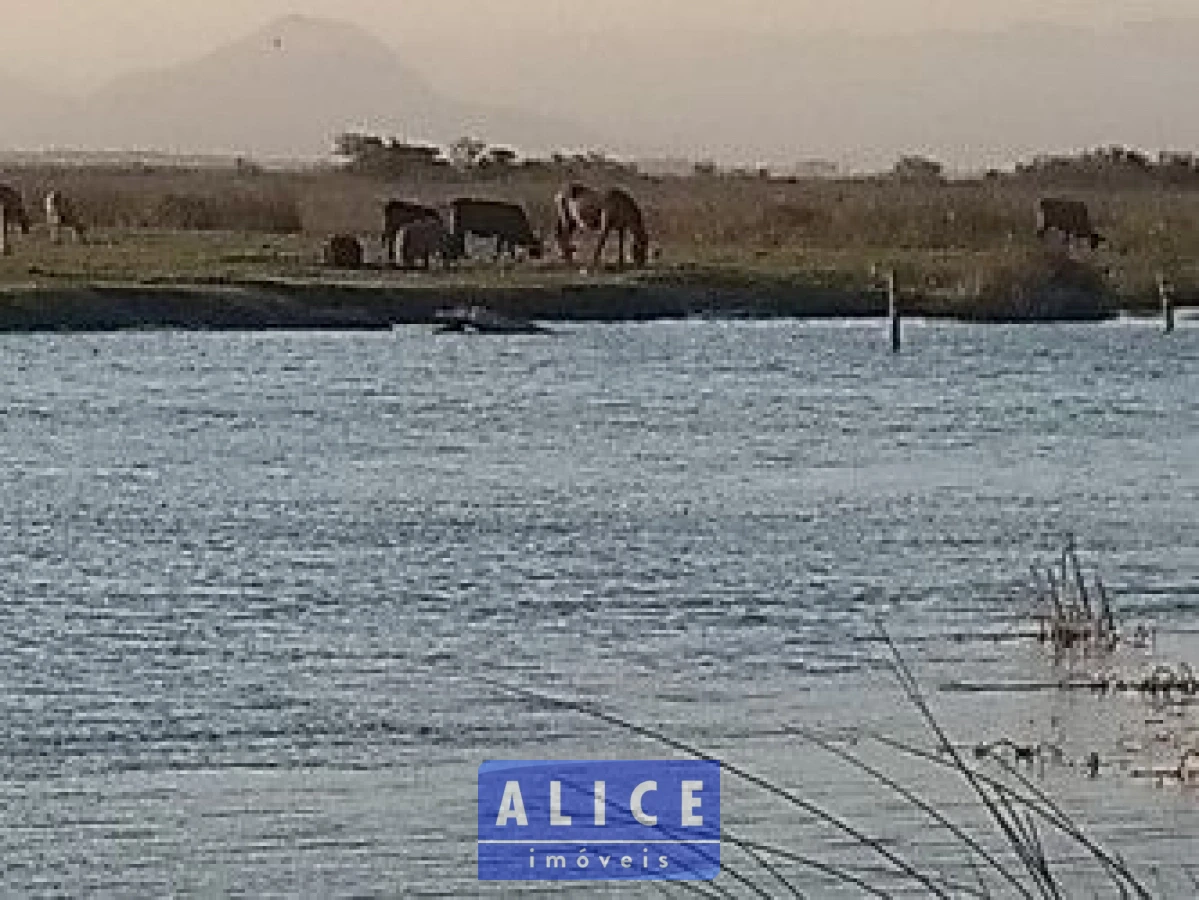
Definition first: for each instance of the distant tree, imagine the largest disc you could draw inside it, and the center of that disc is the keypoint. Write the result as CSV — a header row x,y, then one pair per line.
x,y
598,161
371,155
414,156
1119,157
1178,159
1177,167
499,158
918,168
1112,165
247,166
466,152
352,145
496,161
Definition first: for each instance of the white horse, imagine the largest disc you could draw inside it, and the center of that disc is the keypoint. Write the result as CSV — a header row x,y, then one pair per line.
x,y
61,213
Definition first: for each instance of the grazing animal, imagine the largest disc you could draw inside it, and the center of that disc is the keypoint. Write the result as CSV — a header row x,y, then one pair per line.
x,y
581,208
1069,217
396,215
1188,768
343,251
506,222
14,208
420,241
62,213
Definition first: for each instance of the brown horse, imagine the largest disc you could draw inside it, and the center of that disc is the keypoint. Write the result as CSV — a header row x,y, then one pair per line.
x,y
581,208
14,208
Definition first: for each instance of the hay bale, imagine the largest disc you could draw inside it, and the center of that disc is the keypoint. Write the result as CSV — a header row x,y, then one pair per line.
x,y
343,251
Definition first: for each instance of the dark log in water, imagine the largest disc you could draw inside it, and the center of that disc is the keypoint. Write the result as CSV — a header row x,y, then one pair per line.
x,y
480,320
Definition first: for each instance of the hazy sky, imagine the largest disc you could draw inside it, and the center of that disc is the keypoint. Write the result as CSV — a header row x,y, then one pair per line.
x,y
95,39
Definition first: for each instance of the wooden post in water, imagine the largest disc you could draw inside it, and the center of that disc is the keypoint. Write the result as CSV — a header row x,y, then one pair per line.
x,y
893,313
1165,292
3,231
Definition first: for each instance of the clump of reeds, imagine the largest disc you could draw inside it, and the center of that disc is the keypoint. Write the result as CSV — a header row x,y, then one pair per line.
x,y
1022,813
1044,283
1072,614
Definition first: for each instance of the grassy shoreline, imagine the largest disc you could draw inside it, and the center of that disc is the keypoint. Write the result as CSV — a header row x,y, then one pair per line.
x,y
172,278
241,249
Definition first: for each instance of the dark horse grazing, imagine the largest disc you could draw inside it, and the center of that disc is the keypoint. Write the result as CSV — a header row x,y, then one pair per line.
x,y
1069,217
423,240
14,207
506,222
400,213
342,251
581,208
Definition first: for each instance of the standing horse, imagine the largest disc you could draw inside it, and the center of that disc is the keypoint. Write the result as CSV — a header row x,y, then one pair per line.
x,y
61,213
424,239
506,222
1069,217
580,208
14,207
397,214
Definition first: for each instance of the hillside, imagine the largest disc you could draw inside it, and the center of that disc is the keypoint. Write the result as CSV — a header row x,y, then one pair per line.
x,y
973,99
284,90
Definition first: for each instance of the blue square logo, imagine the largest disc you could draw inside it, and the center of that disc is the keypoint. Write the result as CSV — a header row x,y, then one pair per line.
x,y
599,820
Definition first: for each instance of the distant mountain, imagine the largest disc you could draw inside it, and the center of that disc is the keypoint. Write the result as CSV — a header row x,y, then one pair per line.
x,y
287,90
968,98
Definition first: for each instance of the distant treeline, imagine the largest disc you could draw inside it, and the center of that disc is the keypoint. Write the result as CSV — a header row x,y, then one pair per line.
x,y
472,159
371,155
1105,166
1119,165
366,154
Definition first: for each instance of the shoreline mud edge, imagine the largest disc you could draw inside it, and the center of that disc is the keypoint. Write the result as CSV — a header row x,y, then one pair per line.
x,y
327,304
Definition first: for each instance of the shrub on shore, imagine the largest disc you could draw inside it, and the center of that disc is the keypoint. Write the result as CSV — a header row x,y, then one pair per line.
x,y
1044,284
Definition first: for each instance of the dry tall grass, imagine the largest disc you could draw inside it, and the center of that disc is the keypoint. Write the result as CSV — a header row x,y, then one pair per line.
x,y
948,236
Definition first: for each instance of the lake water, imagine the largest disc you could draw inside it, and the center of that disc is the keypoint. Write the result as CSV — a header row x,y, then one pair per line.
x,y
259,589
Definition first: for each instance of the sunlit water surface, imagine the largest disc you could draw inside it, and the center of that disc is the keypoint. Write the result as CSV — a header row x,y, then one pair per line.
x,y
258,589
